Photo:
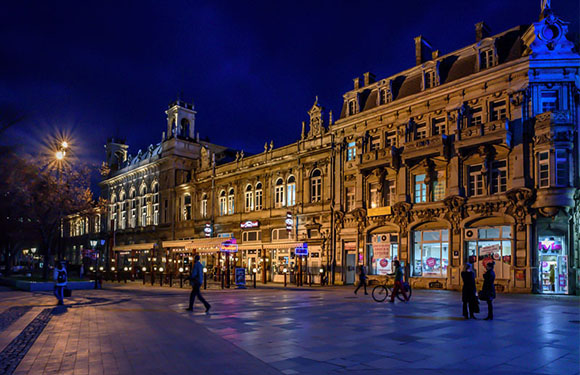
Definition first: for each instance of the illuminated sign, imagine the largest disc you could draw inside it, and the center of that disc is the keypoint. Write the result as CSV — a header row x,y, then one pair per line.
x,y
289,221
249,224
379,211
302,250
207,230
229,246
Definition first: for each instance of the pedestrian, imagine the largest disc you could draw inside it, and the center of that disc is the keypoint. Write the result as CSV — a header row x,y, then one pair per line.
x,y
82,271
196,279
362,279
488,289
468,295
399,287
60,279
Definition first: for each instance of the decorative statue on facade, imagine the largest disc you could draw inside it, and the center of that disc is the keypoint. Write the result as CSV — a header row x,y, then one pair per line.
x,y
316,120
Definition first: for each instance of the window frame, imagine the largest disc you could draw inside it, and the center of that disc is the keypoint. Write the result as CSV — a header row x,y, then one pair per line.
x,y
498,110
441,241
316,186
249,199
498,176
291,191
258,197
279,193
419,188
351,151
477,181
231,201
223,203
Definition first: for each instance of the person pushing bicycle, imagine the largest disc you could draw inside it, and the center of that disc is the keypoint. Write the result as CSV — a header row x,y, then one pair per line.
x,y
398,288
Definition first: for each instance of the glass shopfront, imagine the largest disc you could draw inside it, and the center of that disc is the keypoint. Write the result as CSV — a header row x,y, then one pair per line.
x,y
430,253
553,264
383,250
490,244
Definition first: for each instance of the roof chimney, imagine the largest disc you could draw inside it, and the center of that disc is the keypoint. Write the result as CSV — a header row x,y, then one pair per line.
x,y
369,78
356,83
482,31
423,50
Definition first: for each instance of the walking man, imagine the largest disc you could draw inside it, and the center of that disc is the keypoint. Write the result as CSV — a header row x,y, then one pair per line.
x,y
399,287
196,279
362,279
60,279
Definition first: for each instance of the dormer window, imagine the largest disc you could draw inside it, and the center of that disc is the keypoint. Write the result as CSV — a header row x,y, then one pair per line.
x,y
486,59
429,79
385,96
352,107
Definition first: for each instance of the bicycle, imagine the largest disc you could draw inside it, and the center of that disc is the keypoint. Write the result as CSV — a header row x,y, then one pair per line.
x,y
382,291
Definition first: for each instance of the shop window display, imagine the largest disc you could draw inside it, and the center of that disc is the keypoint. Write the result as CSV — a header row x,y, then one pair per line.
x,y
553,262
383,251
485,245
430,253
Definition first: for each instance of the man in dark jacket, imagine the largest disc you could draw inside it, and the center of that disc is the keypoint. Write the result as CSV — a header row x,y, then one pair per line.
x,y
362,279
399,287
196,279
488,289
468,292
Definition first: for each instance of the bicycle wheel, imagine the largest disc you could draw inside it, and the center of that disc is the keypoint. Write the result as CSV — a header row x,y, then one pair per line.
x,y
408,290
380,293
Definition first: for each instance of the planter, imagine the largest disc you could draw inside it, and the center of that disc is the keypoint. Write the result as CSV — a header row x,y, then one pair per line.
x,y
34,286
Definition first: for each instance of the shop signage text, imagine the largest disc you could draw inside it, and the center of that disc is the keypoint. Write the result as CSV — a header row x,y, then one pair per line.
x,y
302,250
289,221
207,230
229,246
249,224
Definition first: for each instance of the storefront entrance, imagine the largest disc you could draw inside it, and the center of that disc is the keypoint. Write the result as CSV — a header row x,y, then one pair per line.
x,y
553,262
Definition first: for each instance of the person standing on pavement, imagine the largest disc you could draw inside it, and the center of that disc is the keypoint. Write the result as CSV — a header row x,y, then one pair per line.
x,y
488,289
362,277
468,292
196,280
60,280
399,287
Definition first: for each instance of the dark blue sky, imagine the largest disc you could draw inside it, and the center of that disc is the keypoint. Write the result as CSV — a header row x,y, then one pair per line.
x,y
252,68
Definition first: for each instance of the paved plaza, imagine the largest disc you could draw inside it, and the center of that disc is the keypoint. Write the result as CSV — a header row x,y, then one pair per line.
x,y
131,329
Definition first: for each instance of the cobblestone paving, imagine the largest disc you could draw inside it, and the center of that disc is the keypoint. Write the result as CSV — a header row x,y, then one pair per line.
x,y
12,314
131,329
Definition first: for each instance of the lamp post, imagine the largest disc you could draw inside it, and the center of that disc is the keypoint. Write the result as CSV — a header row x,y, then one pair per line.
x,y
285,273
144,269
255,273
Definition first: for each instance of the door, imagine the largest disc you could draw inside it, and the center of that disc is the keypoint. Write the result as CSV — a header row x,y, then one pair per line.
x,y
350,268
553,265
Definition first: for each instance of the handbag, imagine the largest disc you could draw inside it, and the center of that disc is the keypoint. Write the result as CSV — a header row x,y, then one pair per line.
x,y
483,295
476,306
66,292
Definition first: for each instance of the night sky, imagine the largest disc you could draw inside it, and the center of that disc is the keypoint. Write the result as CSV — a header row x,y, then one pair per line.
x,y
252,68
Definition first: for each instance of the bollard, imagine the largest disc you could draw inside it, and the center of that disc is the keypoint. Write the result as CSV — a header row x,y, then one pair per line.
x,y
255,280
222,279
284,279
205,283
310,278
171,279
125,274
161,279
180,280
152,278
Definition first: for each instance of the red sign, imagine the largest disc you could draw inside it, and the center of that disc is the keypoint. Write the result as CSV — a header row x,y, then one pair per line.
x,y
431,262
249,224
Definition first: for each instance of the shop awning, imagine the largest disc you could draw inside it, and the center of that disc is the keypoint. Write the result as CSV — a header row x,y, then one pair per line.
x,y
283,245
204,245
177,243
250,246
135,246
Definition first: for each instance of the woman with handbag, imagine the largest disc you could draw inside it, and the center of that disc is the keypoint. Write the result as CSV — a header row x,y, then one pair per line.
x,y
468,292
488,289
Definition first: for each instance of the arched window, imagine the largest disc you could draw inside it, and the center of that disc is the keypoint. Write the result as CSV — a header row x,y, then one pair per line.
x,y
143,204
291,191
123,204
184,128
155,190
203,207
249,199
133,197
187,206
223,207
258,195
279,193
231,201
316,186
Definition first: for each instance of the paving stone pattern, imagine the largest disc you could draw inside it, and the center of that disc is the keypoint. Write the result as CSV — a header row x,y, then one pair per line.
x,y
12,314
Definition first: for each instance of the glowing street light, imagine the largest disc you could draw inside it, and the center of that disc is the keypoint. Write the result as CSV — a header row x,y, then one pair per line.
x,y
59,155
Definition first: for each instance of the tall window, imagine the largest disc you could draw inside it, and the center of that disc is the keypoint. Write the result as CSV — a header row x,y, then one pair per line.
x,y
420,131
390,193
475,118
475,180
98,223
113,217
544,168
352,107
143,204
350,198
223,203
133,195
123,204
385,96
486,59
429,79
420,188
439,186
374,196
203,207
258,195
291,191
498,176
316,186
249,199
498,110
231,201
438,126
279,193
375,143
187,207
351,151
549,100
562,168
390,139
155,203
430,253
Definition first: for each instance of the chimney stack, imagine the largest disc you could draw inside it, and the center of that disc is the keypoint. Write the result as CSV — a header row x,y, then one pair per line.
x,y
423,50
356,83
482,31
369,78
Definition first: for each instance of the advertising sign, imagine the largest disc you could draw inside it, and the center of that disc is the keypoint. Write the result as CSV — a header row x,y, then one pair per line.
x,y
289,221
487,250
241,277
229,246
249,224
302,250
207,230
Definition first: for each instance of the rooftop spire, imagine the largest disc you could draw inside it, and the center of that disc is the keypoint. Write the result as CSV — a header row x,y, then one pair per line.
x,y
546,7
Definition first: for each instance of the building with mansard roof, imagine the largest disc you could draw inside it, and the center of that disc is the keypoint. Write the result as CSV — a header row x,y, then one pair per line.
x,y
467,157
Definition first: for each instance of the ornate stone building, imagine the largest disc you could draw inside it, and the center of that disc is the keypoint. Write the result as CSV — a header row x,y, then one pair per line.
x,y
470,156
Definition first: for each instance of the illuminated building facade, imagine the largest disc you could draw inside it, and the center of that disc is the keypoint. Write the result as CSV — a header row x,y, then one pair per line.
x,y
470,156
